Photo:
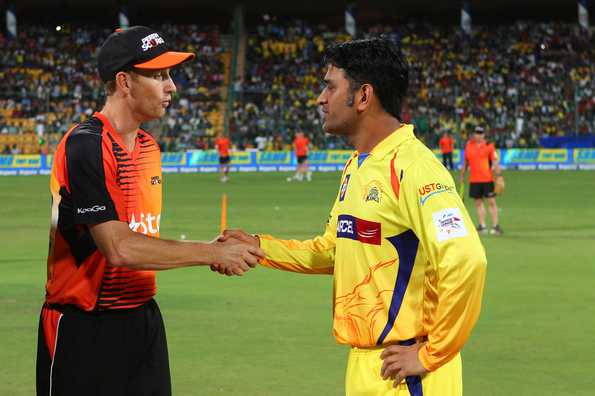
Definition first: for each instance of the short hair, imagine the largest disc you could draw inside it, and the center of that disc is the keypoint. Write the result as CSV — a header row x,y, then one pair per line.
x,y
110,87
377,62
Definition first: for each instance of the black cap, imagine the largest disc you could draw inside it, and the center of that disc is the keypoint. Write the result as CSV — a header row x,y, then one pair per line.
x,y
140,47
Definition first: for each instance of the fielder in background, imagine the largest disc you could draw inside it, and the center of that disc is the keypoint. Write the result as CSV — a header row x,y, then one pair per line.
x,y
447,147
222,144
408,266
300,147
482,161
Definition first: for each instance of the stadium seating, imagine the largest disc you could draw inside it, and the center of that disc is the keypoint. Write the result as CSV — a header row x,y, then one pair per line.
x,y
518,80
521,81
50,83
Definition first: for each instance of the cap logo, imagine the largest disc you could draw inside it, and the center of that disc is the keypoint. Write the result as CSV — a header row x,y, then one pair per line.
x,y
151,41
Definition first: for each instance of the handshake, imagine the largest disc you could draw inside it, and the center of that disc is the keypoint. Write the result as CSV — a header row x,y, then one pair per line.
x,y
236,252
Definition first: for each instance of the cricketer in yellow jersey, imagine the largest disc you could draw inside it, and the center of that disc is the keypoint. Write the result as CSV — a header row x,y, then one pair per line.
x,y
408,264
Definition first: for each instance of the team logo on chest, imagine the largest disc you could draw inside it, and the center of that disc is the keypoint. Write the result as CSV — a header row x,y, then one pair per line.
x,y
344,187
372,192
155,180
373,195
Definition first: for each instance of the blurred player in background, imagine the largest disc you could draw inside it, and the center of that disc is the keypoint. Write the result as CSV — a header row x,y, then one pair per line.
x,y
482,161
300,147
100,331
222,144
447,146
408,265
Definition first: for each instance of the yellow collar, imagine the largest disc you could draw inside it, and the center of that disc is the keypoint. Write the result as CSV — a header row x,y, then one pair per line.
x,y
394,140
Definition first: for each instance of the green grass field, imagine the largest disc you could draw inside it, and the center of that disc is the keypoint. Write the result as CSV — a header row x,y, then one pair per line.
x,y
269,333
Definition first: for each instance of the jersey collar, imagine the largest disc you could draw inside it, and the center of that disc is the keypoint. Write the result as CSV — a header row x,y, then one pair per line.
x,y
394,140
108,126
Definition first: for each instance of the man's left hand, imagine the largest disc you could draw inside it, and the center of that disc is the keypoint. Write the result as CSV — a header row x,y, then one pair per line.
x,y
499,185
401,361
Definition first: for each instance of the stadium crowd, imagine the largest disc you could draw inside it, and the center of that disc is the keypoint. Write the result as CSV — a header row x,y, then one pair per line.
x,y
520,82
50,82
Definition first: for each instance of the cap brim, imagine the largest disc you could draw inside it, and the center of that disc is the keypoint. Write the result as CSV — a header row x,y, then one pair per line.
x,y
166,60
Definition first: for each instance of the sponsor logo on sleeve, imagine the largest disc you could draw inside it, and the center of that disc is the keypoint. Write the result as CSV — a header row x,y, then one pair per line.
x,y
92,209
449,224
431,189
364,231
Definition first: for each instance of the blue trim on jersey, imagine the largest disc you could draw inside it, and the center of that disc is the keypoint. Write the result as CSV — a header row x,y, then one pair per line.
x,y
406,245
414,385
361,157
413,381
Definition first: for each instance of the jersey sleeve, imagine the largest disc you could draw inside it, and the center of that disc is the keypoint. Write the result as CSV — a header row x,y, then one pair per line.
x,y
92,203
493,154
312,256
439,219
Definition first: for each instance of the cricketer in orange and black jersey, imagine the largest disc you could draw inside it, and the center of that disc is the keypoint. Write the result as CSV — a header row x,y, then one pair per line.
x,y
95,179
406,259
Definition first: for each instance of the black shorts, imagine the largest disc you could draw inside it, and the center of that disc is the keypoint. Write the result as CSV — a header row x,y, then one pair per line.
x,y
224,160
109,353
481,190
302,158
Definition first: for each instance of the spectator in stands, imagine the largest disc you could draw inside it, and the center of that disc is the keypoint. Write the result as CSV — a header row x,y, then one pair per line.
x,y
457,82
528,70
49,82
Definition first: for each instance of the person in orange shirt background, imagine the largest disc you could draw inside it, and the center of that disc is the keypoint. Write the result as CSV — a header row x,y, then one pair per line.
x,y
482,161
447,146
222,144
300,146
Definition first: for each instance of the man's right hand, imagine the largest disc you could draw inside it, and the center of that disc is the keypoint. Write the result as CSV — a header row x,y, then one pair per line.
x,y
234,256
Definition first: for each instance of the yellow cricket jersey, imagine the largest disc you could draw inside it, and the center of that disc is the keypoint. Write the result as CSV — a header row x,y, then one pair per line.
x,y
407,261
